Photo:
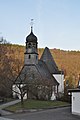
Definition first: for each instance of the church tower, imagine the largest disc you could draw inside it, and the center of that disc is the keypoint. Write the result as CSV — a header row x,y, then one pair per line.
x,y
31,54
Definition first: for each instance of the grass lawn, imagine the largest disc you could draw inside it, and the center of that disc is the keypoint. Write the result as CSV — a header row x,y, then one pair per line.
x,y
36,104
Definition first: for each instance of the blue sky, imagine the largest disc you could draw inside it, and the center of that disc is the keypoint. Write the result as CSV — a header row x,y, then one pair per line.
x,y
56,22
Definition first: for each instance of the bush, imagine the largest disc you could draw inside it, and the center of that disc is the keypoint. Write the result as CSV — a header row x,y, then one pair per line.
x,y
65,98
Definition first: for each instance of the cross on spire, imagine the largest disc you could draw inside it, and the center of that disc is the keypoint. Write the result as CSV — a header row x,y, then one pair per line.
x,y
32,25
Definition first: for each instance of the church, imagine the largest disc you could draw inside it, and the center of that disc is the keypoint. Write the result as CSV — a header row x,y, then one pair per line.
x,y
39,78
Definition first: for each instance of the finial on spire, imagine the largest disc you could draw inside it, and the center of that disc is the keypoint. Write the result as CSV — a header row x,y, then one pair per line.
x,y
31,25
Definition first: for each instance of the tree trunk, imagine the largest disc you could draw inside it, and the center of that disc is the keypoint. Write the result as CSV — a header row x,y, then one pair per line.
x,y
22,102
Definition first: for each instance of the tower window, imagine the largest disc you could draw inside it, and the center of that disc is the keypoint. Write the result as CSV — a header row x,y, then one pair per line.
x,y
29,56
34,45
29,45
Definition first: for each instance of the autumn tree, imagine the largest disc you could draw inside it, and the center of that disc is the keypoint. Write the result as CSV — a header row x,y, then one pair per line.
x,y
3,71
9,67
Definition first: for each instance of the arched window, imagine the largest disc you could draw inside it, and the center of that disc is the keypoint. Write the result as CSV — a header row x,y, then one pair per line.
x,y
29,56
29,45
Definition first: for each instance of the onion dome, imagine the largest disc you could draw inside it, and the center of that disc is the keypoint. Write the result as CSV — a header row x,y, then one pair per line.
x,y
31,37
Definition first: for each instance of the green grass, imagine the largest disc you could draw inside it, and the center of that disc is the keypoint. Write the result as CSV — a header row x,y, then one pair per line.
x,y
36,104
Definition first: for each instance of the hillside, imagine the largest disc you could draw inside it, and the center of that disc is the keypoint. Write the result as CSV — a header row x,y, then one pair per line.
x,y
69,61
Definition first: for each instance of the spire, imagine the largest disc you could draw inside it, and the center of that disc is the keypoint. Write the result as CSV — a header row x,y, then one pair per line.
x,y
31,37
31,25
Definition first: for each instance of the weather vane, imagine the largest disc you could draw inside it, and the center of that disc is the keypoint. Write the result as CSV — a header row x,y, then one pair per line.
x,y
31,25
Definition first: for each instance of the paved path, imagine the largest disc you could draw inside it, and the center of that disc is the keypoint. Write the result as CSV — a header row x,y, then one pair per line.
x,y
9,104
51,114
3,112
1,118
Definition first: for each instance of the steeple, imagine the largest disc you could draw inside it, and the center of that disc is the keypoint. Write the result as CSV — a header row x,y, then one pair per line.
x,y
31,54
31,37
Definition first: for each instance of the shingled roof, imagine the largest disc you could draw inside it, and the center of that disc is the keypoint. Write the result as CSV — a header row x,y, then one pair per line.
x,y
36,73
45,73
49,61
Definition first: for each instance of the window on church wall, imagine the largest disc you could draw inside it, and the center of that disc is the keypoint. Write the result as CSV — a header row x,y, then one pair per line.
x,y
29,56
